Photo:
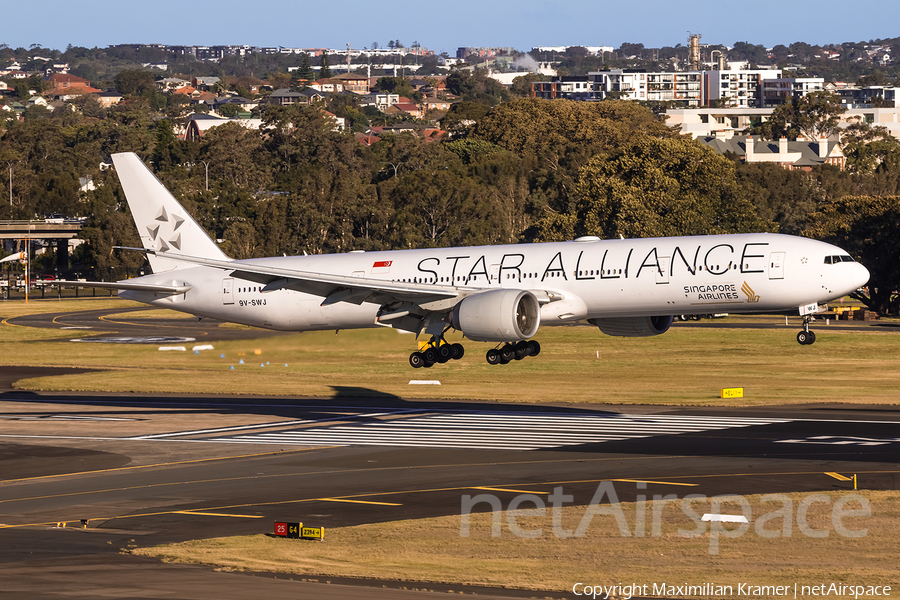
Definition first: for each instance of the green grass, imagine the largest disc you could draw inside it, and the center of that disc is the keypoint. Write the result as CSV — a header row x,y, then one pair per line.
x,y
576,365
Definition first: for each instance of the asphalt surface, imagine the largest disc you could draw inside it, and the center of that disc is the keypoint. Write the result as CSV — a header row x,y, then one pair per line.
x,y
145,470
150,470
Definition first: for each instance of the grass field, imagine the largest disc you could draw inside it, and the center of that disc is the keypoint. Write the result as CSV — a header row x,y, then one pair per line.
x,y
576,365
433,550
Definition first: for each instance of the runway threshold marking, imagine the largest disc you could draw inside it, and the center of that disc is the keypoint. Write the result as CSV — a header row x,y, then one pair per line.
x,y
210,514
168,464
656,482
496,489
355,501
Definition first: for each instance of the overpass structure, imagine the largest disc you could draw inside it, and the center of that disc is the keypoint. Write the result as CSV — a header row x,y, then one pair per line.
x,y
59,230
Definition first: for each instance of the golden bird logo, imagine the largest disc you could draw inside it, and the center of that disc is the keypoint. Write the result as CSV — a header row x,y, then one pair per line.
x,y
748,291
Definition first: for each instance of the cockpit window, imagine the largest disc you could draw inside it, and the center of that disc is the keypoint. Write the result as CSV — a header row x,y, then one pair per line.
x,y
833,260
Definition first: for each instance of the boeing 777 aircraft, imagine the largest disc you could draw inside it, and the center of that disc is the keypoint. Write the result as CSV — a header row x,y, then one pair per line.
x,y
498,294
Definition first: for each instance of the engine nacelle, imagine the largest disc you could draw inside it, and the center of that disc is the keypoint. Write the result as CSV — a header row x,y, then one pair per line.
x,y
634,326
498,316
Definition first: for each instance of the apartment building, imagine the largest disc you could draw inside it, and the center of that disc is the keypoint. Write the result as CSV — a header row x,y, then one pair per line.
x,y
738,88
783,89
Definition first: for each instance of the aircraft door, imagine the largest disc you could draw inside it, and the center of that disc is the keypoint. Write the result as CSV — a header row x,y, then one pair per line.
x,y
662,274
776,265
228,290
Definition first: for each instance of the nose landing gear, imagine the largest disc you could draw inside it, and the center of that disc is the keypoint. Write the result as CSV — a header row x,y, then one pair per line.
x,y
509,352
437,351
806,337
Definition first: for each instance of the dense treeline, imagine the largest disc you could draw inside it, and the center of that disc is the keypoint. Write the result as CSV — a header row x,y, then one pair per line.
x,y
527,170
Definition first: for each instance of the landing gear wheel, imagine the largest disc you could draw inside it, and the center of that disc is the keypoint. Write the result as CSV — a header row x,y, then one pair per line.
x,y
416,360
430,355
535,347
444,353
523,349
427,364
806,337
458,351
492,357
507,353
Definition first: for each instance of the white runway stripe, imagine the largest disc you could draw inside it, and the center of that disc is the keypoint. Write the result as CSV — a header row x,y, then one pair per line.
x,y
529,431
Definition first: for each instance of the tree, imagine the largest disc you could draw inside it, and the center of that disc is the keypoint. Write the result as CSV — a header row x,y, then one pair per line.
x,y
305,73
136,82
814,115
653,188
866,226
325,72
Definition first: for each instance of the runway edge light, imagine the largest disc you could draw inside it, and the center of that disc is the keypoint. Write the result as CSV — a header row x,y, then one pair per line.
x,y
732,393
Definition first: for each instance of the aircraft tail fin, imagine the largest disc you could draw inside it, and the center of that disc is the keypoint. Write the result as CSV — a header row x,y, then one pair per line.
x,y
162,223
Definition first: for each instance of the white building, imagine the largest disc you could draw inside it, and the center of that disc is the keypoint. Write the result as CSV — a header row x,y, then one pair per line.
x,y
779,90
726,122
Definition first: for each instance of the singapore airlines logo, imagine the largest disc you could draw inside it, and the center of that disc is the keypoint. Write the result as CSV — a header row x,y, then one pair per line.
x,y
748,291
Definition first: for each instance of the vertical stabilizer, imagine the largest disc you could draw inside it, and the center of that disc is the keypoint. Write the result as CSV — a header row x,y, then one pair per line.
x,y
162,223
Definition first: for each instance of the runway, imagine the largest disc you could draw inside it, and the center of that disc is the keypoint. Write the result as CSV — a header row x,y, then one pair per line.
x,y
149,470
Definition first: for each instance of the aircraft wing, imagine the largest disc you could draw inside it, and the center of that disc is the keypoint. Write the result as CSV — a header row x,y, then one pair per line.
x,y
333,288
125,285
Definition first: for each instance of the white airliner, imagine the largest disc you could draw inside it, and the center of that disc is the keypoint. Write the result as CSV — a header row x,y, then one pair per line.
x,y
498,294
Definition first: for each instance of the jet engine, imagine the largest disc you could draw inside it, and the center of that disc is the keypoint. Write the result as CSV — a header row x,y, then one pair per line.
x,y
634,326
498,316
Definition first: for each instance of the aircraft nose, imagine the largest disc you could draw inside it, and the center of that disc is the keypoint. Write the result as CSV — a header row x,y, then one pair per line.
x,y
859,276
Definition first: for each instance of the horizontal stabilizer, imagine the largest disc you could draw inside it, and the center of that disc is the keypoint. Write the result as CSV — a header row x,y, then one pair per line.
x,y
125,285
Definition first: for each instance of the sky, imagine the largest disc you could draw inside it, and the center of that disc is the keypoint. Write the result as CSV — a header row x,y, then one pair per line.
x,y
444,26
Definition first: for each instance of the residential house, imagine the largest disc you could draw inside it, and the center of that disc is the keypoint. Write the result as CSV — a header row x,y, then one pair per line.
x,y
67,86
199,124
331,85
287,97
352,82
431,104
790,154
380,101
242,103
205,83
108,98
185,90
409,107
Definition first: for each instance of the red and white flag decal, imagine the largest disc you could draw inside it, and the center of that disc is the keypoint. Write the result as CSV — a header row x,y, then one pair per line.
x,y
381,266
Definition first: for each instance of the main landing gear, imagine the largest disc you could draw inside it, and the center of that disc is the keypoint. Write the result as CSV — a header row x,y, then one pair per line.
x,y
806,337
508,352
437,351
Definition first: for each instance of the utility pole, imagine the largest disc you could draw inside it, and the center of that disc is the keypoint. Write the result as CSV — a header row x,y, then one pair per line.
x,y
206,164
10,165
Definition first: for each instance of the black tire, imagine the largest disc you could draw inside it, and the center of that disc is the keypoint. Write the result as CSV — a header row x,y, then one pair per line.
x,y
416,360
458,351
523,349
507,353
492,357
812,338
535,347
427,364
430,355
803,338
444,353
